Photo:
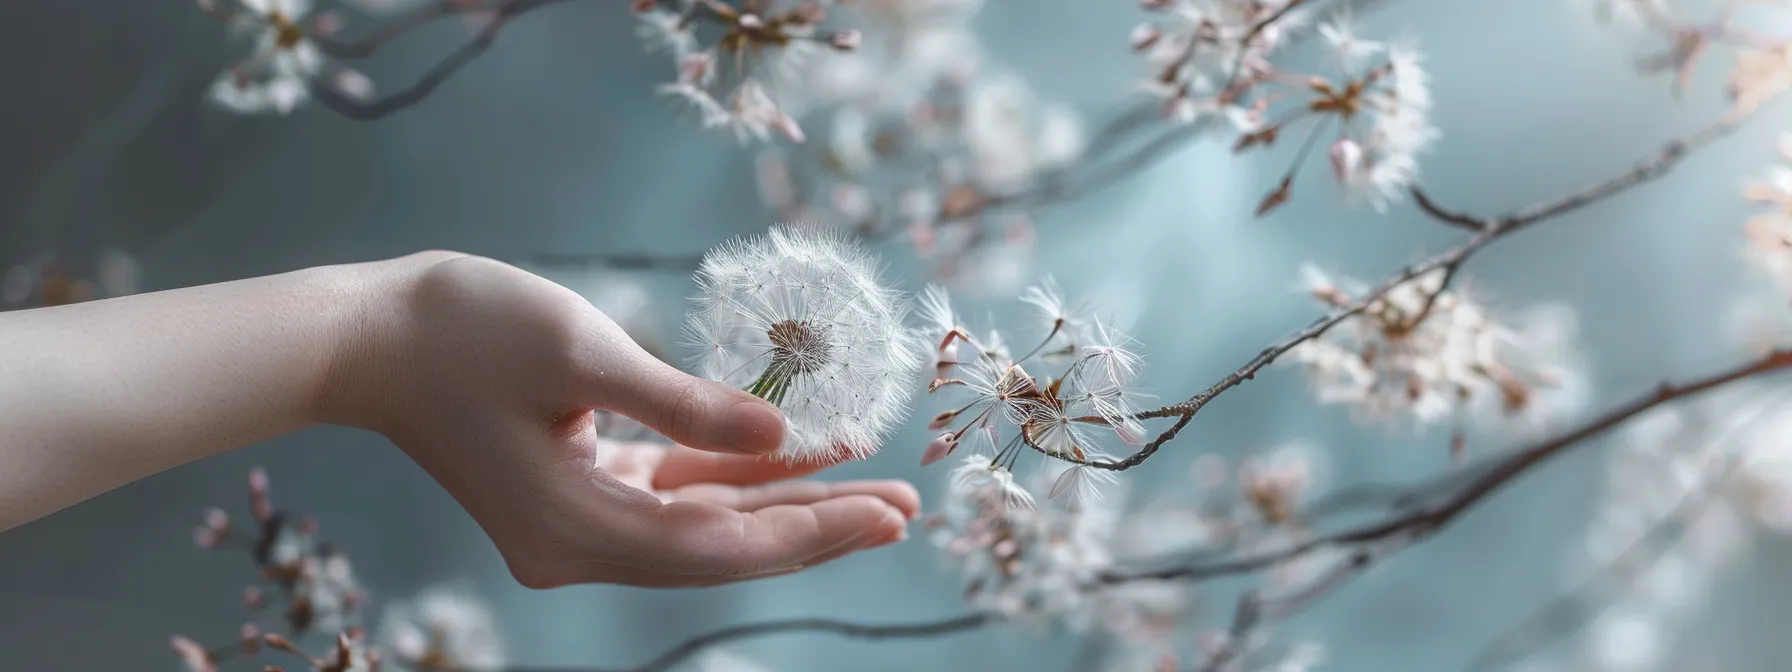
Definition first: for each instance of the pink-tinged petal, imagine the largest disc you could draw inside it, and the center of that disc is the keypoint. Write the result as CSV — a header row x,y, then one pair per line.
x,y
939,448
354,84
845,40
787,127
1346,158
195,656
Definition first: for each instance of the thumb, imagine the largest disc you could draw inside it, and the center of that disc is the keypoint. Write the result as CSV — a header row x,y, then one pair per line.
x,y
699,413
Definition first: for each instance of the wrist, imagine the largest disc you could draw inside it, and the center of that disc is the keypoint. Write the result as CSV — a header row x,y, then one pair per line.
x,y
371,340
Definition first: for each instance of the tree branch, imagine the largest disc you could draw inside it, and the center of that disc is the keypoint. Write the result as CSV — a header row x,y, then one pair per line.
x,y
626,262
1486,230
1568,613
695,645
1429,519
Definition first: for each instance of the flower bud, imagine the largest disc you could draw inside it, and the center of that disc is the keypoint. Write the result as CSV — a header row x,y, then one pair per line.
x,y
939,448
947,357
250,636
750,22
940,421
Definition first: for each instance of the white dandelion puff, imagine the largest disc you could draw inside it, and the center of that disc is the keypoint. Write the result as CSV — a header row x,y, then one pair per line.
x,y
799,318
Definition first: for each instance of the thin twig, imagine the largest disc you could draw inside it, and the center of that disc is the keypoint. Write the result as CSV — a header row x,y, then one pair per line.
x,y
431,79
1486,230
627,262
1244,620
689,648
695,645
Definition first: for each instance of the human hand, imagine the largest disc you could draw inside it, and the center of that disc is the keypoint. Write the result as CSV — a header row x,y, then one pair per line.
x,y
487,376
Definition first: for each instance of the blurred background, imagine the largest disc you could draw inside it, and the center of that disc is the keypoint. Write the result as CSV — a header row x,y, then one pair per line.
x,y
555,144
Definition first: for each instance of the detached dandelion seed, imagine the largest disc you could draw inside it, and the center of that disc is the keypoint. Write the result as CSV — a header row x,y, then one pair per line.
x,y
799,317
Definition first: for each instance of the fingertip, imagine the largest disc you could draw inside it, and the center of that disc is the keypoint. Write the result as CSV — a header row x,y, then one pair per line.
x,y
752,425
889,521
903,496
863,516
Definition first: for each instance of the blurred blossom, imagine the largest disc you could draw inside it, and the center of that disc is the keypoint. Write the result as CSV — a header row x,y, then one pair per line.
x,y
277,76
1730,450
739,78
1769,234
442,630
1211,63
50,280
1432,354
924,140
1626,642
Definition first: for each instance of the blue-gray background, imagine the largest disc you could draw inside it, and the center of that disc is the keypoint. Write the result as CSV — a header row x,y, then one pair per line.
x,y
554,143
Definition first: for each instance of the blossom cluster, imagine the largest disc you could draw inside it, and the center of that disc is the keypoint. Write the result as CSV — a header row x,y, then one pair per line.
x,y
287,59
1009,410
1760,316
311,587
926,139
53,280
1665,37
1210,64
736,81
1426,352
1040,565
1769,234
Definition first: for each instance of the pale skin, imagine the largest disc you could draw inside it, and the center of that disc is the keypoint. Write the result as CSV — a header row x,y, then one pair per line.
x,y
482,373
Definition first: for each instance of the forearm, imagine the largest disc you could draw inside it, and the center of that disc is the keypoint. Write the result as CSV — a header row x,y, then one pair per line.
x,y
96,395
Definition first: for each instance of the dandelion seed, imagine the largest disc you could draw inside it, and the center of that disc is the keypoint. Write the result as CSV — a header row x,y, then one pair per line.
x,y
1081,485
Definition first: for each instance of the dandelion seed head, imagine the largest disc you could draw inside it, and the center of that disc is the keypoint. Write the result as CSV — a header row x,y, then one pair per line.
x,y
799,317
